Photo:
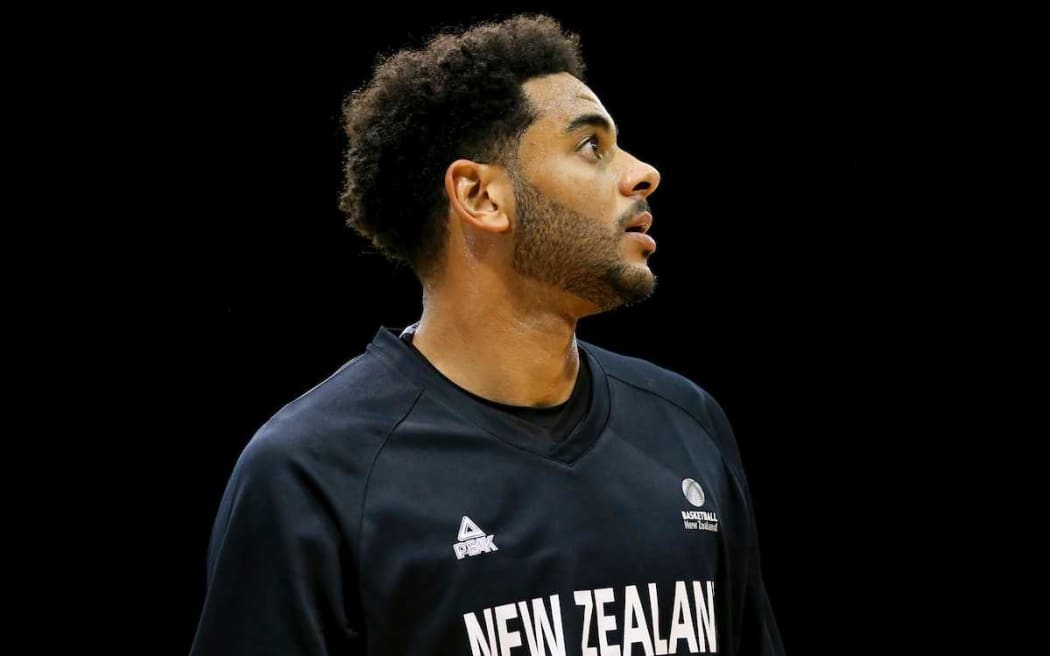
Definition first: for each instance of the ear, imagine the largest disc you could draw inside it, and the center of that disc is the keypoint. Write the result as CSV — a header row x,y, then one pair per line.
x,y
480,194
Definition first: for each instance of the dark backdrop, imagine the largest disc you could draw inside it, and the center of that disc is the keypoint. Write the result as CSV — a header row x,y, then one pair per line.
x,y
787,260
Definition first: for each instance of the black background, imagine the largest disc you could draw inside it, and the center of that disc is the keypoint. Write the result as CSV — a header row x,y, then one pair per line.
x,y
802,264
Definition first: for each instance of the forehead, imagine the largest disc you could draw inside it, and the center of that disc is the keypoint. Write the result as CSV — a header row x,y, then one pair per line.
x,y
560,98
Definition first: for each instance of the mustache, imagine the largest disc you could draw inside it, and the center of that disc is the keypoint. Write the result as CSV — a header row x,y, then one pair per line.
x,y
634,210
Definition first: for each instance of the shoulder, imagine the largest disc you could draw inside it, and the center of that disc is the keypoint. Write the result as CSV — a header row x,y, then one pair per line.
x,y
339,423
644,374
673,388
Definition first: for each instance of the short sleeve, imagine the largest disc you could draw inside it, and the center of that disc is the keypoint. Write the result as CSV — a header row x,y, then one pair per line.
x,y
278,564
759,635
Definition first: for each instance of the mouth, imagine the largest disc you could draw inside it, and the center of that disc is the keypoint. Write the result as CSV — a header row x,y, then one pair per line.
x,y
638,227
640,223
642,238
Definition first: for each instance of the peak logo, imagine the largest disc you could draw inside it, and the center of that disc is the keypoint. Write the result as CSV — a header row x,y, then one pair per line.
x,y
472,540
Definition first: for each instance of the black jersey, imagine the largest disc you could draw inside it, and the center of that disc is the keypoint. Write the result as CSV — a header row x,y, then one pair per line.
x,y
389,511
559,420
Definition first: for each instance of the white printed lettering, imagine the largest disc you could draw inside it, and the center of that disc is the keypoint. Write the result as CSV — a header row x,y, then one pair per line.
x,y
679,628
635,632
507,639
539,635
605,622
478,646
705,613
583,598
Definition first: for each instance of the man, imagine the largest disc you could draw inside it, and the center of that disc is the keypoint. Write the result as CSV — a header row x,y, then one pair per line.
x,y
482,482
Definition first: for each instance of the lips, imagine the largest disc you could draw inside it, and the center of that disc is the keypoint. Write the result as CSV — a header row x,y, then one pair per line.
x,y
639,226
644,238
642,222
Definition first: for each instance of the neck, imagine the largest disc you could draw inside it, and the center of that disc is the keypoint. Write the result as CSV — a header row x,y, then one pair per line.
x,y
507,356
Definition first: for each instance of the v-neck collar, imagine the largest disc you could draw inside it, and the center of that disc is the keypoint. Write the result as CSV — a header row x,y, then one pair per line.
x,y
503,425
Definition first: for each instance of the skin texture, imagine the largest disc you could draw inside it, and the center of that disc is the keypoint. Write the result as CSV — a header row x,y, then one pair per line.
x,y
533,250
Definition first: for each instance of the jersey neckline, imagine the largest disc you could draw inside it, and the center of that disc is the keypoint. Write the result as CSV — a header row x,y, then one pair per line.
x,y
505,426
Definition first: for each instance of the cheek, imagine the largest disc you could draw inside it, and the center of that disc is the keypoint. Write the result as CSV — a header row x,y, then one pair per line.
x,y
572,176
583,189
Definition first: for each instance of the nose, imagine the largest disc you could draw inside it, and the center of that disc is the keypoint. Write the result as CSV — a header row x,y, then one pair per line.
x,y
641,177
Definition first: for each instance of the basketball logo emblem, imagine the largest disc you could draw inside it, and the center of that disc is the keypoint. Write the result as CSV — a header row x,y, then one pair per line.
x,y
693,492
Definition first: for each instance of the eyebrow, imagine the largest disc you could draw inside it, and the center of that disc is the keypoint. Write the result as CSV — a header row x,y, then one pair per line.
x,y
592,120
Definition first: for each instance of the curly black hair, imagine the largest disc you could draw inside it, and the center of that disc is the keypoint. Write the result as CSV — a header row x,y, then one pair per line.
x,y
460,96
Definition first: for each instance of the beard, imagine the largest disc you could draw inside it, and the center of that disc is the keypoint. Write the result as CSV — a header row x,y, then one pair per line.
x,y
575,252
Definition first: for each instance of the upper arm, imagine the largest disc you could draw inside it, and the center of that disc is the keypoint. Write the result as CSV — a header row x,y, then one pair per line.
x,y
760,633
279,563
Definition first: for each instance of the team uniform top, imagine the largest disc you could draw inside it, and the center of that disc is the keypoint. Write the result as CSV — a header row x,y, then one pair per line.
x,y
390,511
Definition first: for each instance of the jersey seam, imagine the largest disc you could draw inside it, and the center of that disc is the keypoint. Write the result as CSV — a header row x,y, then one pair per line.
x,y
710,431
364,499
285,406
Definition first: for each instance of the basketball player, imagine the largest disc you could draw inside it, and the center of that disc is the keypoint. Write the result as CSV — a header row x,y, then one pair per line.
x,y
481,481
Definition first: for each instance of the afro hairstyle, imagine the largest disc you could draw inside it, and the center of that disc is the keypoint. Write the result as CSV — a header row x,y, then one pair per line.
x,y
460,96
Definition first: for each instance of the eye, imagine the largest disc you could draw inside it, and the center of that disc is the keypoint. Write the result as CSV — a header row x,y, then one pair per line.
x,y
593,139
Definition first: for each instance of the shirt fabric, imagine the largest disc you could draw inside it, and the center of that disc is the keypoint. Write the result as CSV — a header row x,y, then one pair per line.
x,y
388,510
559,420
